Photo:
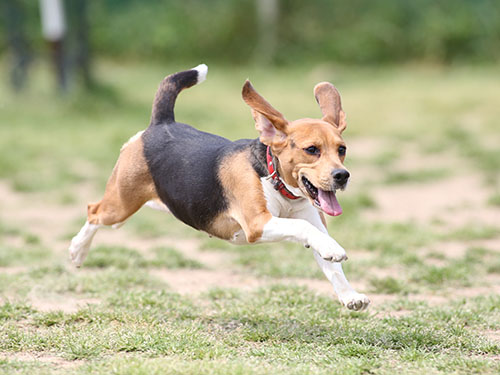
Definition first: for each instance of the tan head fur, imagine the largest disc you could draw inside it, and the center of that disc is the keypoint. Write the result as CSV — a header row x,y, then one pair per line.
x,y
310,148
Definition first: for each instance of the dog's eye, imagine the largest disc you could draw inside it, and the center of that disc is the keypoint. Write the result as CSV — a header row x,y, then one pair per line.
x,y
342,150
312,150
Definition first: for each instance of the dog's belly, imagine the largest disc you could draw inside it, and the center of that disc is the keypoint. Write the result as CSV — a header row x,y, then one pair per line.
x,y
239,238
227,228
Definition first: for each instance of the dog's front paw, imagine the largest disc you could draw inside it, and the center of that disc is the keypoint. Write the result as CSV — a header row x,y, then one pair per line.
x,y
355,301
328,248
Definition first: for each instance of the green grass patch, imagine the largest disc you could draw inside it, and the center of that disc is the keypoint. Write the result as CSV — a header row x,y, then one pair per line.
x,y
27,255
392,239
220,245
473,231
279,260
8,230
494,200
168,257
125,258
388,285
90,282
485,259
277,329
386,158
416,176
352,205
436,276
15,311
119,257
456,272
471,146
150,223
494,267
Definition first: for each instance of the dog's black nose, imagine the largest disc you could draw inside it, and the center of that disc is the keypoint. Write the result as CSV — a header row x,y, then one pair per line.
x,y
340,176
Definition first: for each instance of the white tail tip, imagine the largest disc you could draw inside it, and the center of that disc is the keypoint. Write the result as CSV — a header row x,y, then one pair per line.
x,y
202,70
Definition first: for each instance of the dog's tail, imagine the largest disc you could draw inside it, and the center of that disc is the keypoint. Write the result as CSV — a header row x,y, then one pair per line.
x,y
170,87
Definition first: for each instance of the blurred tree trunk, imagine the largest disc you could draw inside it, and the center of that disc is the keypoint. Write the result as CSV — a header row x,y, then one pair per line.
x,y
267,19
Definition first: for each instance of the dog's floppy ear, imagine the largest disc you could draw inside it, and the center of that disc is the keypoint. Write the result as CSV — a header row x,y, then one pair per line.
x,y
270,123
328,99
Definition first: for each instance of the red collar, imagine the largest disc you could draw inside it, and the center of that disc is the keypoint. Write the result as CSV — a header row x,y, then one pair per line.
x,y
276,180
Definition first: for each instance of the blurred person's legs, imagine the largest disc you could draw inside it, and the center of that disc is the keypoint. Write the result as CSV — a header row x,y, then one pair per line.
x,y
77,11
59,63
54,29
14,15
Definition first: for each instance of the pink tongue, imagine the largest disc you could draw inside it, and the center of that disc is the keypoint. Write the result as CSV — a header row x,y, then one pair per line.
x,y
329,203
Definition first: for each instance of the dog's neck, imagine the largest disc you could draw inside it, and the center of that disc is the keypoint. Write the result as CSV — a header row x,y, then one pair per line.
x,y
259,152
274,175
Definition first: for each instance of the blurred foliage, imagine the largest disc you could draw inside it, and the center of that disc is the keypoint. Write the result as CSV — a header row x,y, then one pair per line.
x,y
356,31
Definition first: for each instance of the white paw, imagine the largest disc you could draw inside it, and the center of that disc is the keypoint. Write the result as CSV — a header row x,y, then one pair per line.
x,y
80,244
78,252
328,248
355,301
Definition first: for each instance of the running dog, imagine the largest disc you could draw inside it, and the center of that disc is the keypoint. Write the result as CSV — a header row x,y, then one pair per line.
x,y
269,189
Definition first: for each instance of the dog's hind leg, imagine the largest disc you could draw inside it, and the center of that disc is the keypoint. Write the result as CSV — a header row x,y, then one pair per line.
x,y
128,189
80,244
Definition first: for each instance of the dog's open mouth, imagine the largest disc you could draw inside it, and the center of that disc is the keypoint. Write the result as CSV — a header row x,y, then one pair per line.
x,y
325,200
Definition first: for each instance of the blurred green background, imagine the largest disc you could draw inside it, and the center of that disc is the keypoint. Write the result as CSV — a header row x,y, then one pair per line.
x,y
420,83
401,66
228,32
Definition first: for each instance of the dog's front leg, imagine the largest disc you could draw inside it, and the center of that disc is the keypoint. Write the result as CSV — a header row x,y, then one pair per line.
x,y
303,232
333,271
346,294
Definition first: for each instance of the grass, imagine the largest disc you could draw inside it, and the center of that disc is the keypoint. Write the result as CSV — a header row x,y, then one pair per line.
x,y
117,315
494,200
419,176
10,256
124,258
468,144
280,328
393,239
279,261
386,158
167,257
388,285
474,231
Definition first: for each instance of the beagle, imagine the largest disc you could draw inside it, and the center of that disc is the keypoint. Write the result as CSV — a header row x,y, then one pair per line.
x,y
269,189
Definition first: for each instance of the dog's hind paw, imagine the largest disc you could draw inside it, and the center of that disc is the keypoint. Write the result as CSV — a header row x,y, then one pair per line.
x,y
77,254
355,301
80,244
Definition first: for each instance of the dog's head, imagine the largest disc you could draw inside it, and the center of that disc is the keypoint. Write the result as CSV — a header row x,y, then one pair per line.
x,y
310,152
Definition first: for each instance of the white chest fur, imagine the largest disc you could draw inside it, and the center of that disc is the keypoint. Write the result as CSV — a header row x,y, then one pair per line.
x,y
279,205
